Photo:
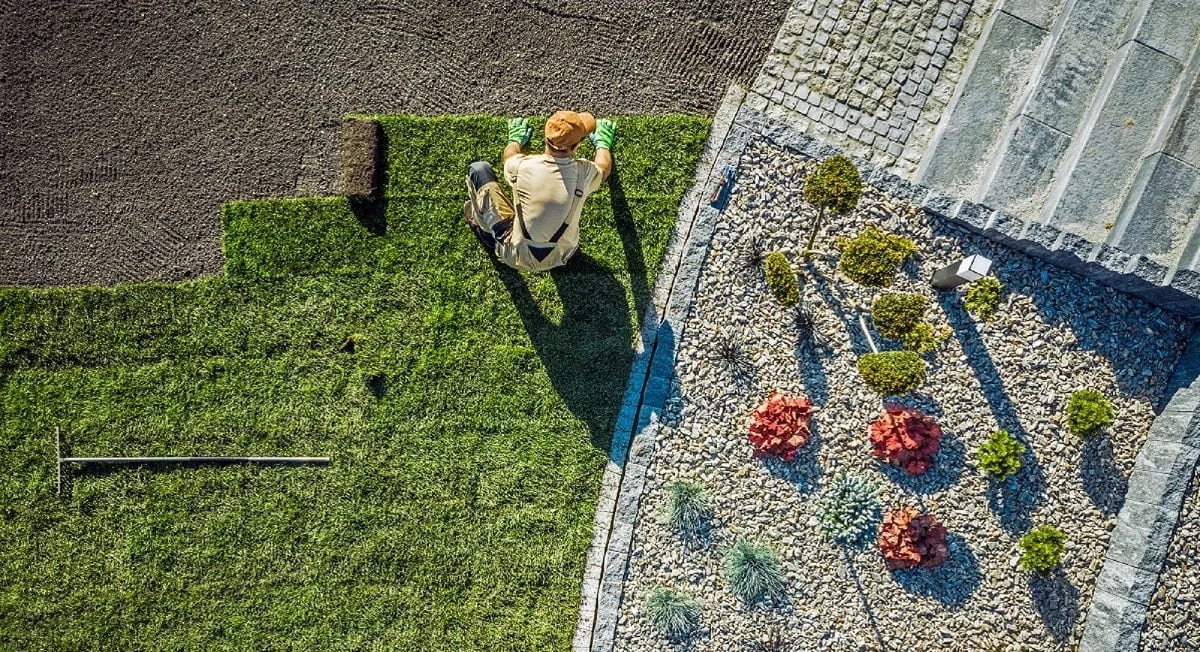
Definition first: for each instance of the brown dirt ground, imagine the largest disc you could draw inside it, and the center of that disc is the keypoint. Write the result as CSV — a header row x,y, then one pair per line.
x,y
125,124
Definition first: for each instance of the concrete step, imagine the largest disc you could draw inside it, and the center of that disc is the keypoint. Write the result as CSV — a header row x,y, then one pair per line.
x,y
1064,88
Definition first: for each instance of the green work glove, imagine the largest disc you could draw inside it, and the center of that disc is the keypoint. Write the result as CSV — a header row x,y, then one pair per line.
x,y
519,131
605,134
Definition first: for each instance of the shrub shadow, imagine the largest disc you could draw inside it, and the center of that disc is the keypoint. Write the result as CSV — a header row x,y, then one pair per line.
x,y
1103,480
952,582
1057,602
808,361
804,470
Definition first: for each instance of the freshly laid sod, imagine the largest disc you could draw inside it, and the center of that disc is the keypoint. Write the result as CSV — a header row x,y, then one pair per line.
x,y
468,427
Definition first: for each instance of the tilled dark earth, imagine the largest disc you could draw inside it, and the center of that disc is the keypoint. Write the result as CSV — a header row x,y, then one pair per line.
x,y
127,123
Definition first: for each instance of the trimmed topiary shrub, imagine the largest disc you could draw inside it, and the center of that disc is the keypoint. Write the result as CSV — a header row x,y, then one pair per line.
x,y
1088,412
896,314
836,187
687,507
892,372
905,438
983,297
1000,455
873,257
673,613
909,539
923,339
782,279
849,509
1042,549
753,570
779,426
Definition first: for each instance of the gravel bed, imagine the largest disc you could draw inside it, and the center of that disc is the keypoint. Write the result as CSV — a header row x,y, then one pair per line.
x,y
1055,333
1171,621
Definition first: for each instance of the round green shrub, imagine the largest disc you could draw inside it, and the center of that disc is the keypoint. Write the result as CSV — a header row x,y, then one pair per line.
x,y
782,279
983,297
753,570
923,339
836,186
1000,455
673,613
1088,412
1042,549
896,314
848,510
687,507
873,257
892,372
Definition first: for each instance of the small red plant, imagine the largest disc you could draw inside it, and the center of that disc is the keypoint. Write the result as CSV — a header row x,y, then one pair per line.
x,y
906,438
909,539
779,426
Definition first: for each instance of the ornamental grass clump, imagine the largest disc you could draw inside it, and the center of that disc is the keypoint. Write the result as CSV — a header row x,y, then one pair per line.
x,y
836,187
983,297
753,570
782,279
889,373
1000,455
848,510
909,539
673,613
779,426
688,507
905,438
1088,413
1042,549
873,257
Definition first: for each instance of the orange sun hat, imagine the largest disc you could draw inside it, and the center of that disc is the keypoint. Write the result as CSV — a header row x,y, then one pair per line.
x,y
565,129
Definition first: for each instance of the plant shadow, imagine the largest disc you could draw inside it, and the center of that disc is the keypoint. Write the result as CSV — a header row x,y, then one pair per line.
x,y
808,360
1057,603
952,582
1103,480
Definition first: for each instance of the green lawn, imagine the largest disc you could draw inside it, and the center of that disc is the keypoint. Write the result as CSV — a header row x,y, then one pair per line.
x,y
468,429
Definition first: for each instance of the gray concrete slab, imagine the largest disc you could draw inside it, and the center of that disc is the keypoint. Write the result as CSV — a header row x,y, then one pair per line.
x,y
1184,140
1107,161
970,134
1027,167
1042,13
1162,212
1170,26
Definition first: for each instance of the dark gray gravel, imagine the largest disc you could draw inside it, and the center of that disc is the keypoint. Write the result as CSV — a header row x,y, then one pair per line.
x,y
125,124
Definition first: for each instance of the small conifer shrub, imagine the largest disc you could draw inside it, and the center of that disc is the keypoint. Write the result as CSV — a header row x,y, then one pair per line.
x,y
1000,455
779,426
1088,413
782,279
905,438
673,613
753,570
836,187
848,510
687,507
909,539
923,338
896,314
983,297
1042,549
892,372
873,257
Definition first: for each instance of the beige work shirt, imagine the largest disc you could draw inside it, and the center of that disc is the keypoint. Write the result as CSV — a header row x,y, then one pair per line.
x,y
548,194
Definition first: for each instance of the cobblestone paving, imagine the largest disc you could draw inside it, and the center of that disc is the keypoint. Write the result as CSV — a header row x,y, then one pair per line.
x,y
872,77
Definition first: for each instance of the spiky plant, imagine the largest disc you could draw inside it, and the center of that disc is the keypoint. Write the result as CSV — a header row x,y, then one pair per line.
x,y
730,353
673,613
753,570
687,507
754,253
849,510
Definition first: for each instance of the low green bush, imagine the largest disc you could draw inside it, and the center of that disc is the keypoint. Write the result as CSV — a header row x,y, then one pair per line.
x,y
923,338
1000,455
1088,412
687,507
983,297
1042,549
872,257
753,570
892,372
673,613
849,509
782,279
836,187
896,314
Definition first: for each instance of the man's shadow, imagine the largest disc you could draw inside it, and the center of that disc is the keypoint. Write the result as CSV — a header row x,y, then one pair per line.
x,y
588,354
